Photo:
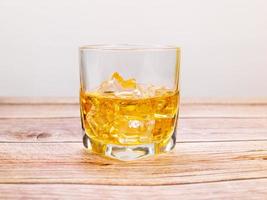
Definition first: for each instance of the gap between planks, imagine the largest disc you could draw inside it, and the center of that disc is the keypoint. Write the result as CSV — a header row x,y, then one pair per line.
x,y
135,185
177,142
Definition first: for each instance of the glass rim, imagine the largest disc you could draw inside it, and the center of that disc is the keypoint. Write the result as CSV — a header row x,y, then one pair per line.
x,y
128,47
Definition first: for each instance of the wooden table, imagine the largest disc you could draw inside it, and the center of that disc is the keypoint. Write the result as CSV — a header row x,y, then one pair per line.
x,y
221,154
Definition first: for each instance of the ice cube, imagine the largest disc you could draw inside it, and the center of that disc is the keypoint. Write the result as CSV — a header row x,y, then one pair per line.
x,y
128,93
125,84
107,87
100,116
141,91
146,90
120,87
117,86
134,123
133,129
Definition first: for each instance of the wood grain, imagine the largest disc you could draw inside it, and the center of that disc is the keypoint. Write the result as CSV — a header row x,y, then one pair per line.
x,y
189,130
189,163
244,190
221,154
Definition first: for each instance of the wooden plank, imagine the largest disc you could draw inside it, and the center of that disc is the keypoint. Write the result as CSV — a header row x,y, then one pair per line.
x,y
224,101
75,100
223,111
40,130
59,109
245,190
39,110
189,163
221,129
39,100
190,130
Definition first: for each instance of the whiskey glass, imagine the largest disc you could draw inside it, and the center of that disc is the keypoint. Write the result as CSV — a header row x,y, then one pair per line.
x,y
129,99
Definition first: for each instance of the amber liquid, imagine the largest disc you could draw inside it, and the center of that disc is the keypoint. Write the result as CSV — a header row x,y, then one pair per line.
x,y
108,119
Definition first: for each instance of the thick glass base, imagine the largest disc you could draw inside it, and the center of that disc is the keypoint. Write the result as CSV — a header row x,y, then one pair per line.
x,y
128,153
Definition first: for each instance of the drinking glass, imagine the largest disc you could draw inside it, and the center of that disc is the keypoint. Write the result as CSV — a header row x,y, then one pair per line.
x,y
129,99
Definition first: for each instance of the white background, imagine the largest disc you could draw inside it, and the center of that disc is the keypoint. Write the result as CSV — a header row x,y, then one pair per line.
x,y
224,42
